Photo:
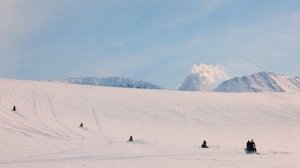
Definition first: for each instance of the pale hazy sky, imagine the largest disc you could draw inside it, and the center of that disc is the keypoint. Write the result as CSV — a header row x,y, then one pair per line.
x,y
154,40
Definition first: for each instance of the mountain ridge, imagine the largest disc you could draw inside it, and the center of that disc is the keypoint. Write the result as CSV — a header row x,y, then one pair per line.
x,y
260,82
112,82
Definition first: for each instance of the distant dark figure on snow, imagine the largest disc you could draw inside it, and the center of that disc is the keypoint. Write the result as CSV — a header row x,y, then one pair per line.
x,y
251,147
204,145
81,125
130,139
14,108
248,145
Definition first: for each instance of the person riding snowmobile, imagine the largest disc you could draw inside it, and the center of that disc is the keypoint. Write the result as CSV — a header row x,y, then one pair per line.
x,y
251,147
204,145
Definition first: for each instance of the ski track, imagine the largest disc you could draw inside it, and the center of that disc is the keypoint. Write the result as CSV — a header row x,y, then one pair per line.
x,y
26,127
35,127
35,100
58,121
34,97
103,157
72,150
17,118
96,119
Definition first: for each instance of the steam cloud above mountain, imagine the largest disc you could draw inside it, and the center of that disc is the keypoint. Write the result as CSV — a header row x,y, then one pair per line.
x,y
209,74
203,77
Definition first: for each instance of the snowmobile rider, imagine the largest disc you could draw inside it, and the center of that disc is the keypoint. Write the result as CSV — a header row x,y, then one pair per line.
x,y
252,145
248,145
204,145
130,139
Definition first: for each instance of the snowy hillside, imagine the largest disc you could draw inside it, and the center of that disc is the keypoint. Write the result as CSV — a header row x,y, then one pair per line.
x,y
167,127
260,82
112,82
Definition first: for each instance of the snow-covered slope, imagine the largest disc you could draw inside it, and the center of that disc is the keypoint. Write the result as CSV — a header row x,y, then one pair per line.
x,y
260,82
112,82
167,127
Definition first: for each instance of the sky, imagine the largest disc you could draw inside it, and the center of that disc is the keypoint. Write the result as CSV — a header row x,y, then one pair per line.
x,y
151,40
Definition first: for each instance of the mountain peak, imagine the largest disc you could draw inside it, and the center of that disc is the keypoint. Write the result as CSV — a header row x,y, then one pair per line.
x,y
260,82
203,77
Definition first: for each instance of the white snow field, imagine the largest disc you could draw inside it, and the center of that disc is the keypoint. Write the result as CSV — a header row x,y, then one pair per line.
x,y
168,127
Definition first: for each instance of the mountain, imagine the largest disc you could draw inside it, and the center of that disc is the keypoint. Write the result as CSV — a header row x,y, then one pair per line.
x,y
112,82
203,77
191,83
260,82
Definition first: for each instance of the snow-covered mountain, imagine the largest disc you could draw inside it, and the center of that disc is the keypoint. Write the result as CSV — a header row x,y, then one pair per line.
x,y
112,82
203,77
191,83
260,82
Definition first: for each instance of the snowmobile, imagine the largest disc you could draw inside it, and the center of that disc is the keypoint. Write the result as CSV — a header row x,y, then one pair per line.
x,y
251,151
251,148
204,145
130,139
